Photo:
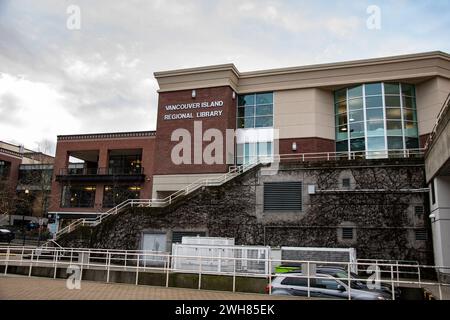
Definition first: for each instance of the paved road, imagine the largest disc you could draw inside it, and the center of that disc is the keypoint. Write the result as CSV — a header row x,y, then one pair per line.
x,y
25,288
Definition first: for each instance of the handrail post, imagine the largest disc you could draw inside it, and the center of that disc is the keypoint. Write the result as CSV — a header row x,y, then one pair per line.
x,y
349,282
270,273
309,280
137,269
167,271
56,265
7,260
392,282
31,262
108,266
200,274
234,274
82,263
419,277
398,276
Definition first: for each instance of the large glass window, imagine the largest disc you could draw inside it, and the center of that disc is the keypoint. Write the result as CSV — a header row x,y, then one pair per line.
x,y
116,194
376,116
5,167
255,110
249,152
78,196
124,163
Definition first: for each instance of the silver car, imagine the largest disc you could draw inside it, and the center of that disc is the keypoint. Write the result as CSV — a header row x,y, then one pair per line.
x,y
321,286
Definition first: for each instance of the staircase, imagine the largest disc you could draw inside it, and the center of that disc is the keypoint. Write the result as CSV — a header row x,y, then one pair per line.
x,y
233,172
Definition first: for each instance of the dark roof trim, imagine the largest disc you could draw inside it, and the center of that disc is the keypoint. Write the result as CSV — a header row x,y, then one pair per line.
x,y
112,135
11,153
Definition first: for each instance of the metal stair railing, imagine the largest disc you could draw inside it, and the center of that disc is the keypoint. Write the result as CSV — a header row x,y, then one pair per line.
x,y
233,171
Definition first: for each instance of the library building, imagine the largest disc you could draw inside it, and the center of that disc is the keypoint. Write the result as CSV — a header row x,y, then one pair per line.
x,y
347,154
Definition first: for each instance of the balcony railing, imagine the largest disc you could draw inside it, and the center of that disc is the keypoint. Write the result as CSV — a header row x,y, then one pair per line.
x,y
101,171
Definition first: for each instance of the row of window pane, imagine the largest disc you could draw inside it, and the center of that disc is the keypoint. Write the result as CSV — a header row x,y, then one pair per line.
x,y
374,89
248,152
255,122
375,102
376,114
251,111
255,99
377,143
377,128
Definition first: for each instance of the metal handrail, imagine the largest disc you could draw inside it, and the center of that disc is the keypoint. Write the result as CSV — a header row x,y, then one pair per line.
x,y
101,171
134,261
351,155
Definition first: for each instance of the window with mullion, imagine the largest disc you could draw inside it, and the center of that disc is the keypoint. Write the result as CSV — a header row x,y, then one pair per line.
x,y
255,110
376,116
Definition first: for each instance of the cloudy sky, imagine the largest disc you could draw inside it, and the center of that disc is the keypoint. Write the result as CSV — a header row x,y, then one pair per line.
x,y
54,80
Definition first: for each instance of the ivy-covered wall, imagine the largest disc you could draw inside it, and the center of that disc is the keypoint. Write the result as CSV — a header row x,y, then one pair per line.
x,y
380,204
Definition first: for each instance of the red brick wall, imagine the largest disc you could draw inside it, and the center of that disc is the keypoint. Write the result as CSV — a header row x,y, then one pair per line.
x,y
164,145
63,148
13,178
307,145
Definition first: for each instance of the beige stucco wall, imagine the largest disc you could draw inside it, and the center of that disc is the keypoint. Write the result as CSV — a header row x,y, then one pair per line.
x,y
411,68
304,113
175,182
431,95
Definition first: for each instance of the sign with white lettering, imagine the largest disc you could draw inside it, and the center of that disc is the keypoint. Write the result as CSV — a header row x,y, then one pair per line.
x,y
193,106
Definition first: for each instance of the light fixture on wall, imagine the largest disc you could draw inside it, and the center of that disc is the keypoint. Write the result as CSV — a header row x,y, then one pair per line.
x,y
432,217
194,94
234,95
294,146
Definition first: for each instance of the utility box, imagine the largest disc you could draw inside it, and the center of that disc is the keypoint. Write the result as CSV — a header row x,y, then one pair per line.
x,y
345,255
211,241
219,256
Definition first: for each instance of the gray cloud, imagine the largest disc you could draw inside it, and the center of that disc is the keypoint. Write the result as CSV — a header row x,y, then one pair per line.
x,y
100,77
9,109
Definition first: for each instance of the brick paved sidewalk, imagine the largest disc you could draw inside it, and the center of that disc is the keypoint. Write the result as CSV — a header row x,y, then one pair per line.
x,y
25,288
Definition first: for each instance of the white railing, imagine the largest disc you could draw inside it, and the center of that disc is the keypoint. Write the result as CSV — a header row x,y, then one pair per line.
x,y
351,155
137,261
439,118
202,182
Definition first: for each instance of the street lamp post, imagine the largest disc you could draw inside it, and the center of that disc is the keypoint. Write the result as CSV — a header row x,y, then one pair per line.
x,y
27,193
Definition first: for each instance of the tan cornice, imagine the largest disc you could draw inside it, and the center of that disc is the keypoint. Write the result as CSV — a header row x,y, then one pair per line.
x,y
197,70
348,64
410,66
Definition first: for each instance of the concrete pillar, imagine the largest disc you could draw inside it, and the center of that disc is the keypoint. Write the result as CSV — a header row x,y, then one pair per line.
x,y
103,163
440,221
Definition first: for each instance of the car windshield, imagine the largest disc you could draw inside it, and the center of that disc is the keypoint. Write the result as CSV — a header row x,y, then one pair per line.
x,y
343,276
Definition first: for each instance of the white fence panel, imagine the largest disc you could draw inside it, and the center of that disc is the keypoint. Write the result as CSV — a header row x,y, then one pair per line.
x,y
220,259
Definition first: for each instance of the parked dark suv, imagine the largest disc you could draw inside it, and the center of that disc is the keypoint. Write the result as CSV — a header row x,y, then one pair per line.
x,y
6,235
